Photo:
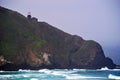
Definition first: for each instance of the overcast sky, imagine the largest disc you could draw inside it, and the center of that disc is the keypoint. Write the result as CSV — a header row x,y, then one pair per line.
x,y
98,20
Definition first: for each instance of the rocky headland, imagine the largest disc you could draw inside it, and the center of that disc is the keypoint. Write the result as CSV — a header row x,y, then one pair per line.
x,y
26,43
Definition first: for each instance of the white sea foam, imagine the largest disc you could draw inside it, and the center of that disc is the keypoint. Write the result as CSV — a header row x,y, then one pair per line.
x,y
33,79
1,71
63,72
82,77
5,76
58,73
45,71
111,76
104,68
73,77
24,70
76,69
20,70
25,75
80,69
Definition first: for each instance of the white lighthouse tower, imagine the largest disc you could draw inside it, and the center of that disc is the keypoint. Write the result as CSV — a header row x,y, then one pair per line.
x,y
29,15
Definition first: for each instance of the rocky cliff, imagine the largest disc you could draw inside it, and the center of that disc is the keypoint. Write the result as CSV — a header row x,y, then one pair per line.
x,y
29,44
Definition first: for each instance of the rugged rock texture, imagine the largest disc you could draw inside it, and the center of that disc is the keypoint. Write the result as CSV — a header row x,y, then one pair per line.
x,y
29,44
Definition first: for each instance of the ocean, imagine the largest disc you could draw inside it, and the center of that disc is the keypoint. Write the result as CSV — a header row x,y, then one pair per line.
x,y
61,74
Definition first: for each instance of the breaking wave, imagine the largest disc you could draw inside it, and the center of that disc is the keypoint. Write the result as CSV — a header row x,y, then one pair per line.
x,y
104,68
111,76
61,74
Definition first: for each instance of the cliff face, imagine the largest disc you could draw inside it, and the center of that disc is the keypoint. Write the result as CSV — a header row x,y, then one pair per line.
x,y
30,44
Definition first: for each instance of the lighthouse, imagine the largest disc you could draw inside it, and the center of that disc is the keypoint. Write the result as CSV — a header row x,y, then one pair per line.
x,y
33,19
29,15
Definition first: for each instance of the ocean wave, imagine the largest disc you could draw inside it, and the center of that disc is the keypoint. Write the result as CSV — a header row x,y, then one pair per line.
x,y
80,69
24,70
73,77
68,75
1,71
76,76
26,75
104,68
5,76
111,76
60,74
47,71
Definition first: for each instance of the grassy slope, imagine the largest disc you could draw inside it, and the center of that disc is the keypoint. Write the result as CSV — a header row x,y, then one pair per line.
x,y
16,32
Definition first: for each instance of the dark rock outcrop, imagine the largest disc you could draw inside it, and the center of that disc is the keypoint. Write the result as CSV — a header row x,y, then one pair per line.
x,y
34,45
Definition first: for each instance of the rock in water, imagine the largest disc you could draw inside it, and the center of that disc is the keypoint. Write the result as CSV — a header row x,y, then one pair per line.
x,y
31,44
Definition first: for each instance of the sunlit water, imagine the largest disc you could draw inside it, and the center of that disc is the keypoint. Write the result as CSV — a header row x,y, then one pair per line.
x,y
61,74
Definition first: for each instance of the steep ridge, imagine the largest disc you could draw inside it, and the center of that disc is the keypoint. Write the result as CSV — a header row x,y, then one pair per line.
x,y
28,44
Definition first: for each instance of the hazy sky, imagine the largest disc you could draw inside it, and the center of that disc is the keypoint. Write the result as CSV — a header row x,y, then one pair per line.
x,y
98,20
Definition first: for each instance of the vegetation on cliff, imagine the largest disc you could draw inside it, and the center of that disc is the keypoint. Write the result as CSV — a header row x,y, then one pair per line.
x,y
16,32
